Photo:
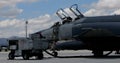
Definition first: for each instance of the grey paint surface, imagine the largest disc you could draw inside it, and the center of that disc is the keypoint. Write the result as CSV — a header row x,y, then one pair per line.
x,y
69,30
101,26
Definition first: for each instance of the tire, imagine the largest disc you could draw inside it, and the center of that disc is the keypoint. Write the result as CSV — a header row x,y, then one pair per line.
x,y
40,56
6,50
25,56
55,54
11,56
98,53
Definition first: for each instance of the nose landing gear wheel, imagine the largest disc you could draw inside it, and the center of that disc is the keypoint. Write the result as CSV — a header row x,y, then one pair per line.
x,y
55,54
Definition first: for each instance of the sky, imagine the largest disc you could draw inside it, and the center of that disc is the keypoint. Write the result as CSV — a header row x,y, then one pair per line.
x,y
41,14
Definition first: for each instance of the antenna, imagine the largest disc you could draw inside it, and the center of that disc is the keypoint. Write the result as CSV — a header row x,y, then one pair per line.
x,y
26,23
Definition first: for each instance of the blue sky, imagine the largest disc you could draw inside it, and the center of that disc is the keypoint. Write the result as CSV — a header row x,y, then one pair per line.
x,y
38,8
41,13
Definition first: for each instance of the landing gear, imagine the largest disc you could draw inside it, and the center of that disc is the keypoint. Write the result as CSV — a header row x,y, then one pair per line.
x,y
25,56
40,55
117,52
99,53
55,54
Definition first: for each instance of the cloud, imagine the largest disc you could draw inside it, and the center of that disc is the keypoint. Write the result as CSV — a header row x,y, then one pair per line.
x,y
107,4
9,9
16,27
103,7
41,22
116,12
4,3
10,12
31,0
95,12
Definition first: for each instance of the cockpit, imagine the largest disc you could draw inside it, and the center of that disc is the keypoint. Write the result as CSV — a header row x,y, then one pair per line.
x,y
64,16
74,9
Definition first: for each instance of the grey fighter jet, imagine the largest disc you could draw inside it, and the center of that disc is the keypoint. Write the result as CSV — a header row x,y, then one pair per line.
x,y
98,33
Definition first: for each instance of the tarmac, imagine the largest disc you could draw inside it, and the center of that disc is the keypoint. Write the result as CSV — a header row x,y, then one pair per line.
x,y
81,56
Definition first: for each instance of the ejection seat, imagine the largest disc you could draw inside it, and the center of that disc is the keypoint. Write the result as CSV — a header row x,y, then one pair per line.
x,y
64,16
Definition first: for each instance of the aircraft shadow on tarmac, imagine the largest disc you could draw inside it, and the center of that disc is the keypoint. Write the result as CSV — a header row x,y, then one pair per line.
x,y
88,57
91,56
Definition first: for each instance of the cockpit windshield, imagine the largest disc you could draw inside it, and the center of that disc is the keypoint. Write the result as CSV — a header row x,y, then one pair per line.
x,y
62,14
74,9
65,16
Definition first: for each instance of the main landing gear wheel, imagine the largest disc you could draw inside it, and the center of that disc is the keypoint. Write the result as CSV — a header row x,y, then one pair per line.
x,y
25,56
97,53
40,56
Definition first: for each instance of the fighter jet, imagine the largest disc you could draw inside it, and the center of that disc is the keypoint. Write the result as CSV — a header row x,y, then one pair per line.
x,y
97,33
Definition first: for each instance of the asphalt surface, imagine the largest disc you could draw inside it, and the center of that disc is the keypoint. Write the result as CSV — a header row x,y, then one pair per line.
x,y
65,57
